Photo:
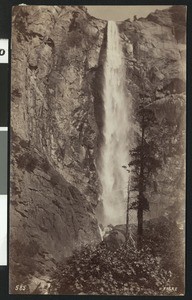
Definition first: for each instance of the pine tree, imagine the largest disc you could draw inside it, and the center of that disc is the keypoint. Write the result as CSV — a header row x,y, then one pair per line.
x,y
144,163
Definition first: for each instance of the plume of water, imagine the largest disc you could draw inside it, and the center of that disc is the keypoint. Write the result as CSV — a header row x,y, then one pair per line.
x,y
115,150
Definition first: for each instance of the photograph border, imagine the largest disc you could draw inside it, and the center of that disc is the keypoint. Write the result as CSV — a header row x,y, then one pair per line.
x,y
5,32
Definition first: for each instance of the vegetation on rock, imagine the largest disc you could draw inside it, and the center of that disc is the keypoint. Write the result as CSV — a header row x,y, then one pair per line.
x,y
124,271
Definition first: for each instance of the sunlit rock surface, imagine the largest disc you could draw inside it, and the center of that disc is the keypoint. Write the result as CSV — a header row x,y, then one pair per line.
x,y
54,188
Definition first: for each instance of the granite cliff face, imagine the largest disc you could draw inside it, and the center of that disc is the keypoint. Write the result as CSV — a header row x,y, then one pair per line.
x,y
155,58
58,54
54,187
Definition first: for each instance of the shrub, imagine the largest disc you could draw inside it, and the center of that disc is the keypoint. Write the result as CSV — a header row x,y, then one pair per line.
x,y
97,270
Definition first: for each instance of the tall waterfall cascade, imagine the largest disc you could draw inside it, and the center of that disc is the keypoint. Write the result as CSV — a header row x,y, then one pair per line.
x,y
115,149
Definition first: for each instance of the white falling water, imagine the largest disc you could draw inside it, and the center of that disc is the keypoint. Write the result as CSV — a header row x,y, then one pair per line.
x,y
115,151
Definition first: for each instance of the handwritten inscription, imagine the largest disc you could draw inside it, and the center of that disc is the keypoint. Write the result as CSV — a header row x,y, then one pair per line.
x,y
20,287
169,289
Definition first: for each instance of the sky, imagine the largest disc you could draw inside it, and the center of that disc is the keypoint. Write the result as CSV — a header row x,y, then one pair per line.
x,y
121,12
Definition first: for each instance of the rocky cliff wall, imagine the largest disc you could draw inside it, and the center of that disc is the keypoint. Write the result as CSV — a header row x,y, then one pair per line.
x,y
155,57
54,138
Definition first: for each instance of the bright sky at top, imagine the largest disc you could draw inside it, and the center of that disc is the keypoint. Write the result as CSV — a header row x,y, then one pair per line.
x,y
122,12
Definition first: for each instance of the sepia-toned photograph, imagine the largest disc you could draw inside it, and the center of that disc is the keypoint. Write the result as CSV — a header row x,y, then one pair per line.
x,y
98,154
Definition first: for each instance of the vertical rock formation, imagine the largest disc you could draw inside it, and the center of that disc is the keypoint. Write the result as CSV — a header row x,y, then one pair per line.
x,y
155,58
54,183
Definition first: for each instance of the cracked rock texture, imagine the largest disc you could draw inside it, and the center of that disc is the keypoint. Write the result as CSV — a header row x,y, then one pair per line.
x,y
54,137
155,58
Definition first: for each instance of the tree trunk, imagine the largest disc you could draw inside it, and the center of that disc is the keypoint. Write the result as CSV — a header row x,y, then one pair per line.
x,y
140,226
141,189
127,215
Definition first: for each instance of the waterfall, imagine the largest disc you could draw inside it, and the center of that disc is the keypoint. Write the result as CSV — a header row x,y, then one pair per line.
x,y
115,149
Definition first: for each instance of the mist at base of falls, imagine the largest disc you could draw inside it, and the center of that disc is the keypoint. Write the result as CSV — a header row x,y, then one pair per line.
x,y
115,149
